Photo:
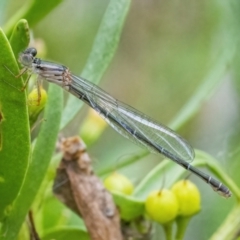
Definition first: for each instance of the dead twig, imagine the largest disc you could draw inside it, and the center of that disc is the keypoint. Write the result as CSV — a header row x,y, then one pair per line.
x,y
82,191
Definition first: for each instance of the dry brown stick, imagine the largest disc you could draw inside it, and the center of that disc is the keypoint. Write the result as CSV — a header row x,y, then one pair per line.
x,y
32,228
82,191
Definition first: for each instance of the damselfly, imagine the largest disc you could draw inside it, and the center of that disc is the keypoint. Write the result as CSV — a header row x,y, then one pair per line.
x,y
126,120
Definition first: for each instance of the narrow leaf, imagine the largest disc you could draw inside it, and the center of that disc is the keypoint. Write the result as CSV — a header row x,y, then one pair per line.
x,y
103,50
20,37
230,227
129,207
14,129
41,157
33,11
167,173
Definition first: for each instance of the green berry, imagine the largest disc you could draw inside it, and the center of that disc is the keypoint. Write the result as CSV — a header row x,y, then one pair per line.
x,y
162,206
92,127
37,99
188,197
119,183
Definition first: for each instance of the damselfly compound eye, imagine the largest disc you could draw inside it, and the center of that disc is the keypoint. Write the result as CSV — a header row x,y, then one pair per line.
x,y
26,58
32,51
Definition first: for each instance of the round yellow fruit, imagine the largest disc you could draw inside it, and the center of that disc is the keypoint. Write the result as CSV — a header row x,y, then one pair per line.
x,y
118,182
162,206
188,197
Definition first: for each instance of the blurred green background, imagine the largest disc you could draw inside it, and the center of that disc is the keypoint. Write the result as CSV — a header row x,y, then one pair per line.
x,y
166,50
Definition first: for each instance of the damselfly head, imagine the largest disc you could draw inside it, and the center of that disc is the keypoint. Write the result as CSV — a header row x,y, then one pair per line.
x,y
26,57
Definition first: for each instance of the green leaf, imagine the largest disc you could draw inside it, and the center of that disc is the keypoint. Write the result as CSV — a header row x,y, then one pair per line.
x,y
20,37
14,130
223,49
122,164
163,175
53,213
103,50
205,90
168,172
41,157
129,206
204,159
230,227
66,233
33,11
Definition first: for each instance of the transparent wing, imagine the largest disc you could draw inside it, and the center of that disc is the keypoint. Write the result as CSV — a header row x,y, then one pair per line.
x,y
132,124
